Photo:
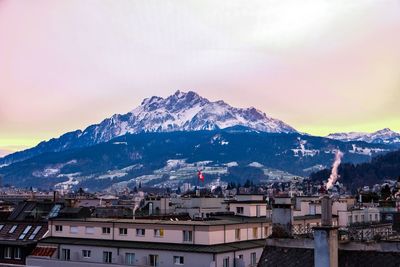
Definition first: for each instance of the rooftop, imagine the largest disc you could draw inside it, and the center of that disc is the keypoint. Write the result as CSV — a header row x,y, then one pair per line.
x,y
220,248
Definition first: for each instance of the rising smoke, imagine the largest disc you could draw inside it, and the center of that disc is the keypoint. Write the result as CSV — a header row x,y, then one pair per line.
x,y
334,174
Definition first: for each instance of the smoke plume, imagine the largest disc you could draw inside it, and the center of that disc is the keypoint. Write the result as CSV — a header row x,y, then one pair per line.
x,y
334,174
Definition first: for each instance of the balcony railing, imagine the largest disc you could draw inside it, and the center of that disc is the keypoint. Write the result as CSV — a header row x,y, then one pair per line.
x,y
381,232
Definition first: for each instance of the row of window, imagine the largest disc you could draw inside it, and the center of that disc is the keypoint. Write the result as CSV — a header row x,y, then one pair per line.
x,y
255,233
362,218
187,235
12,253
253,260
24,232
129,257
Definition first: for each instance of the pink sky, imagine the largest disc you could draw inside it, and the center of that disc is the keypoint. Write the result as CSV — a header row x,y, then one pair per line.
x,y
321,66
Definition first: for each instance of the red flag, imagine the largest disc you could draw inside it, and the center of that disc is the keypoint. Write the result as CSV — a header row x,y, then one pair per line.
x,y
201,176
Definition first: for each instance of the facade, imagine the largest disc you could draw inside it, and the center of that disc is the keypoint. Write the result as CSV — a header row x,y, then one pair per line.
x,y
198,207
250,208
92,241
362,215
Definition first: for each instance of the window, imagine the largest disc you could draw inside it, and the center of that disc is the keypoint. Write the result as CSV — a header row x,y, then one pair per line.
x,y
187,236
362,218
255,232
225,262
89,230
158,232
265,231
107,256
59,228
239,210
12,230
370,217
130,258
253,259
17,253
376,217
54,211
153,260
73,229
140,232
7,252
106,230
237,234
65,254
35,232
23,234
123,231
86,253
178,260
355,218
350,219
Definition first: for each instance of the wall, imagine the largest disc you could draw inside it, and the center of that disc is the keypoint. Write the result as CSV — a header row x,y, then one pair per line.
x,y
118,256
173,233
141,256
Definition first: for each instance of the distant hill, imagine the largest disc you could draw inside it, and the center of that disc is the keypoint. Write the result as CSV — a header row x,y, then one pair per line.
x,y
380,168
167,159
384,136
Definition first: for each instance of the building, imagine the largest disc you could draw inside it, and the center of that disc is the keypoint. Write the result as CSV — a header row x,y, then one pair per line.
x,y
20,232
327,245
220,242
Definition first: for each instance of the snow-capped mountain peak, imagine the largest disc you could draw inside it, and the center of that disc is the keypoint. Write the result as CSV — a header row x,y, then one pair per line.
x,y
182,111
384,136
190,112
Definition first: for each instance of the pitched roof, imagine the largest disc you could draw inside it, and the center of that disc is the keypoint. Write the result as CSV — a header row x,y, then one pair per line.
x,y
22,232
43,251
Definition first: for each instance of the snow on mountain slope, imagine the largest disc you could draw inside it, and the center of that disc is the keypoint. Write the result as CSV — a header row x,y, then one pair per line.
x,y
384,136
179,112
185,112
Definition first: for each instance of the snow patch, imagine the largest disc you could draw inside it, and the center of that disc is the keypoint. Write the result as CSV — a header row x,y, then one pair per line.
x,y
232,164
256,165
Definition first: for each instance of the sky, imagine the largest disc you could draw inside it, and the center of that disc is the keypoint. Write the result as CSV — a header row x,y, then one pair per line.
x,y
320,66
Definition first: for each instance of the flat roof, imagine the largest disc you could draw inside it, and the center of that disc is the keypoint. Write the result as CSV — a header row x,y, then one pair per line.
x,y
220,220
255,202
219,248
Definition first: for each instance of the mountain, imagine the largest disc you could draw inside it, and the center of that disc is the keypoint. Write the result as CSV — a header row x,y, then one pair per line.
x,y
168,159
384,136
380,168
178,112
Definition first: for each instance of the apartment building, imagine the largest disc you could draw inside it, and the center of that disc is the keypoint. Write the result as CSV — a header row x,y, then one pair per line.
x,y
219,242
359,215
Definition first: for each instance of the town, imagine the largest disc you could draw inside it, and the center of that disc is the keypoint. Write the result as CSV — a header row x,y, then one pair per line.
x,y
250,225
199,133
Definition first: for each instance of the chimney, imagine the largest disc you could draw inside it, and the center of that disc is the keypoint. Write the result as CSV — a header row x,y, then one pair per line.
x,y
326,211
282,217
326,238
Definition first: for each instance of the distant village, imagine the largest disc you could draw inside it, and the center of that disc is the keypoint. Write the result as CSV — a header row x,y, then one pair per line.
x,y
220,226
